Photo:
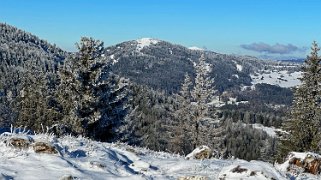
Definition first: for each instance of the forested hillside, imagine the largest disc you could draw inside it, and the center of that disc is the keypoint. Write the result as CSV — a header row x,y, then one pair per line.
x,y
143,92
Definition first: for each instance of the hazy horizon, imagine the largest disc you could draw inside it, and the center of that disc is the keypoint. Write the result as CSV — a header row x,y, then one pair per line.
x,y
276,29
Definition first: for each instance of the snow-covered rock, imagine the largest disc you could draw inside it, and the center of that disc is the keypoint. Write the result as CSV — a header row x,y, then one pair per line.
x,y
201,152
19,142
255,170
43,147
299,165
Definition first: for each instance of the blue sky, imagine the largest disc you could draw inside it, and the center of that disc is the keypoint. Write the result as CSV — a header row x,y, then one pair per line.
x,y
276,28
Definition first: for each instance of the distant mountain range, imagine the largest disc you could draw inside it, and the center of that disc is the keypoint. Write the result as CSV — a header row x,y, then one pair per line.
x,y
299,60
162,65
249,90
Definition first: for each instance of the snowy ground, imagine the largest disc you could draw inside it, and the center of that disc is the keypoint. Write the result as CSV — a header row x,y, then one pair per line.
x,y
281,78
81,158
271,131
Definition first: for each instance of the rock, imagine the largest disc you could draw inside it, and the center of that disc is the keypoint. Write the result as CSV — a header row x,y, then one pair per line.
x,y
68,177
304,163
19,143
193,178
202,152
42,147
238,169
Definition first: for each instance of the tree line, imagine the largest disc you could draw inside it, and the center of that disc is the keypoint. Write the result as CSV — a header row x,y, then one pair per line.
x,y
303,125
82,95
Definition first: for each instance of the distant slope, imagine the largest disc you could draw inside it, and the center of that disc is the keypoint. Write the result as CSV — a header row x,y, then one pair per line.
x,y
243,94
162,65
17,46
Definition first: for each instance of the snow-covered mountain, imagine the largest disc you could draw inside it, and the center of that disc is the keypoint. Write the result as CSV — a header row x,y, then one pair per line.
x,y
81,158
162,65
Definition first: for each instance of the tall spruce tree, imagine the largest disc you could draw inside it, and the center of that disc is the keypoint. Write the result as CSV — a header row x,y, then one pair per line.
x,y
194,107
303,124
93,98
202,94
181,142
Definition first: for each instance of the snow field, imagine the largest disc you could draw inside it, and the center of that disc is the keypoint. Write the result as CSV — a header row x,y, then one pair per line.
x,y
81,158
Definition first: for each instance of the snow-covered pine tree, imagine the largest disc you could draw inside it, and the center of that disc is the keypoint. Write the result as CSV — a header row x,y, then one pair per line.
x,y
181,142
8,80
194,108
303,124
32,102
202,94
93,98
149,121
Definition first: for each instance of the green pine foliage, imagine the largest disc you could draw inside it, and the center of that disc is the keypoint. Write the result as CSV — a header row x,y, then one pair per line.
x,y
196,118
91,95
303,124
33,103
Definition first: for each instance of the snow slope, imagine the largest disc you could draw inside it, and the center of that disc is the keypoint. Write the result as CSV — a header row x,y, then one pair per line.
x,y
281,78
144,42
81,158
271,131
196,48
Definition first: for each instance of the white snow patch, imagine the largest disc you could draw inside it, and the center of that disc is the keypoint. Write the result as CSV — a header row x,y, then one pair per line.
x,y
196,48
245,88
144,42
271,131
216,102
139,166
236,75
114,61
281,78
239,67
208,67
233,101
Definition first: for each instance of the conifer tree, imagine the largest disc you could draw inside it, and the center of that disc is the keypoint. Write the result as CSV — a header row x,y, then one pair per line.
x,y
31,101
303,124
202,94
93,98
194,105
8,80
182,139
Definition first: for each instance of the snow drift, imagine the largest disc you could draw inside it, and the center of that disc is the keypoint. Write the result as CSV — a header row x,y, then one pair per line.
x,y
81,158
